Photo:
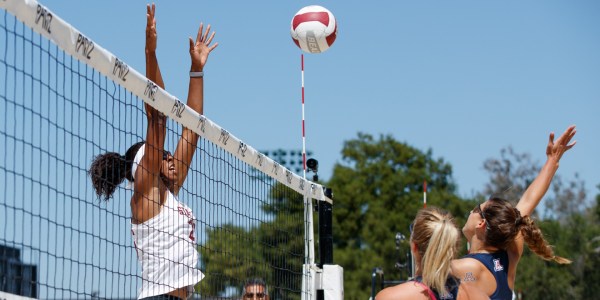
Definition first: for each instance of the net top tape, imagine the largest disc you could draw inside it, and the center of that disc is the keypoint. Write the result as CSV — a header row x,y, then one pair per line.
x,y
83,48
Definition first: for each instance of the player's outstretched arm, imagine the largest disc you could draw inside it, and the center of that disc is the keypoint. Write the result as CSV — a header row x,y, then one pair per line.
x,y
199,52
146,198
554,152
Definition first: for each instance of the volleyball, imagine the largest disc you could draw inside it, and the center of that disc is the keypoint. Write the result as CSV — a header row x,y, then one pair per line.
x,y
313,29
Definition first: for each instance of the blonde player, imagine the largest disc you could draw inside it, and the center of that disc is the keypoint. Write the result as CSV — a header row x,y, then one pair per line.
x,y
434,242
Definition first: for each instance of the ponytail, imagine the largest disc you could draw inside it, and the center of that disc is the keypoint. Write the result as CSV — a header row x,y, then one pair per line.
x,y
110,169
505,223
107,172
535,240
437,240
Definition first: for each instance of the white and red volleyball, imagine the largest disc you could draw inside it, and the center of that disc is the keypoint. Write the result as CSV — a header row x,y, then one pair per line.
x,y
314,29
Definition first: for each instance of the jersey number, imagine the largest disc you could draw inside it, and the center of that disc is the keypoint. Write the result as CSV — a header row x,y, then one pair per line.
x,y
191,222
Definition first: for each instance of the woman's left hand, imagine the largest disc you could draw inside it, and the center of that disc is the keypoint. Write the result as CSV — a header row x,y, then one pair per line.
x,y
200,50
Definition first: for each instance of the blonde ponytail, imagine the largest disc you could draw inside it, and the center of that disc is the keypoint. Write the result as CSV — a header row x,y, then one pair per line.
x,y
437,237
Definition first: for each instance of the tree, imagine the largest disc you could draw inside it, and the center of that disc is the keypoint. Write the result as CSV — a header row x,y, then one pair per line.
x,y
512,173
226,262
273,250
282,242
539,279
567,200
378,191
591,265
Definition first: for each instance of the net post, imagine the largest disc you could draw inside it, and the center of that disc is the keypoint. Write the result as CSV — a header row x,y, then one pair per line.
x,y
326,230
378,271
326,249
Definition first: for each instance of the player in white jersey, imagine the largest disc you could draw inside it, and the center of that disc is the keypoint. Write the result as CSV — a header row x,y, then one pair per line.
x,y
162,227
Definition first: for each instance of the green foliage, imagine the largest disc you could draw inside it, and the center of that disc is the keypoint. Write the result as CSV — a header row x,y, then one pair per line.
x,y
539,279
512,173
274,250
378,190
596,210
282,242
589,257
576,240
226,263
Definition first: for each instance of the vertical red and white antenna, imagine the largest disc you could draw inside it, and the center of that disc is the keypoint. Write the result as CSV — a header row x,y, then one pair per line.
x,y
303,127
425,194
309,232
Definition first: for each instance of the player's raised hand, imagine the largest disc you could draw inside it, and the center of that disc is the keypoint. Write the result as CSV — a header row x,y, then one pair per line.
x,y
200,50
151,35
555,149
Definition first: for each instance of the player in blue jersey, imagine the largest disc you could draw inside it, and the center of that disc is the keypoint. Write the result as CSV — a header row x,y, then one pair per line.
x,y
496,231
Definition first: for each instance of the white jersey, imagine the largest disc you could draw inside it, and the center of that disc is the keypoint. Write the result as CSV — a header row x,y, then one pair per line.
x,y
166,250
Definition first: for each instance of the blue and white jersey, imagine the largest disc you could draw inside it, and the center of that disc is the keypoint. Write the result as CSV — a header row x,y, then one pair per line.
x,y
497,264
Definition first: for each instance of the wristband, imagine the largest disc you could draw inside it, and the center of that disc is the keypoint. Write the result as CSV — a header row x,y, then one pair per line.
x,y
196,74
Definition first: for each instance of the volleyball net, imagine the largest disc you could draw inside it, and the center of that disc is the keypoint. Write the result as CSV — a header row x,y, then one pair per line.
x,y
64,100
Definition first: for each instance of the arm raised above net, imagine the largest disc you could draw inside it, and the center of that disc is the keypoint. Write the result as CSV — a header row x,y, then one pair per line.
x,y
155,136
152,68
199,51
538,188
146,198
554,152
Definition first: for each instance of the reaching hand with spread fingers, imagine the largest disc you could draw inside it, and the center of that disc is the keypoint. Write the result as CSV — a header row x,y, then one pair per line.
x,y
200,50
556,149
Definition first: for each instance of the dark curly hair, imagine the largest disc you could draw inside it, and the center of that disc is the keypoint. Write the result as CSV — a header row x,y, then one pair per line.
x,y
108,170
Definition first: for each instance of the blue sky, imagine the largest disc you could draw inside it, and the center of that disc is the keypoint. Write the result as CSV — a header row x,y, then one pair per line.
x,y
464,78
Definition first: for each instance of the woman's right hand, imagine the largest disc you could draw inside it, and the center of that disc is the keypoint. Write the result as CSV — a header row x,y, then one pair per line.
x,y
555,149
151,36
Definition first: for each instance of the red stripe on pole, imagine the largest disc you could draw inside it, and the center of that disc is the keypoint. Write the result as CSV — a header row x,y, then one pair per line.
x,y
302,61
304,160
303,132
